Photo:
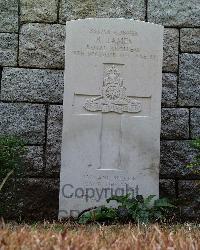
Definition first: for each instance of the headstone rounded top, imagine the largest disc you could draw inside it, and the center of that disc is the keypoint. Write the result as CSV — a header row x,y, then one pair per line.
x,y
106,19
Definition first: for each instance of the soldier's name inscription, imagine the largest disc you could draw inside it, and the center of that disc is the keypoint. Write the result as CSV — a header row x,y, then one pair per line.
x,y
111,43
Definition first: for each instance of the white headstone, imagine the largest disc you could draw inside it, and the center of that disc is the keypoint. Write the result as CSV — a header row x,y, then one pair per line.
x,y
112,112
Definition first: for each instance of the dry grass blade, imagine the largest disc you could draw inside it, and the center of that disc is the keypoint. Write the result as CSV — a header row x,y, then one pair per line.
x,y
59,236
5,179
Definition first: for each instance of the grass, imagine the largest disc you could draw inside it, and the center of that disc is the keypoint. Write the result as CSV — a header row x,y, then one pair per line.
x,y
72,236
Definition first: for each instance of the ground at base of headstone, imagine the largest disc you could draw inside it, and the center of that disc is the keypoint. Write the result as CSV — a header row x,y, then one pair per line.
x,y
73,236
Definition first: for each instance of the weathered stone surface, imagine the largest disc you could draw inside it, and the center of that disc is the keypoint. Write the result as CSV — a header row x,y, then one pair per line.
x,y
8,49
189,193
175,156
195,122
38,10
167,188
105,148
169,89
35,85
31,198
9,16
76,9
54,139
189,77
174,12
190,40
175,123
42,45
170,50
33,161
24,120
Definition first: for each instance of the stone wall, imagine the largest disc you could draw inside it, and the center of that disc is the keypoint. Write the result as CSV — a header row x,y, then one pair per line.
x,y
32,61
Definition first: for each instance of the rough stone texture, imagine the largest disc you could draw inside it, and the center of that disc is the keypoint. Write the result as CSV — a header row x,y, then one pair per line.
x,y
8,49
24,120
31,198
34,85
33,161
38,10
9,16
76,9
189,193
54,139
195,122
175,156
189,77
190,40
42,45
170,50
169,90
167,188
174,12
175,123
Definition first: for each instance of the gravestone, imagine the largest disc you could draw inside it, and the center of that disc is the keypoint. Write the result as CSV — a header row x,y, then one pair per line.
x,y
112,112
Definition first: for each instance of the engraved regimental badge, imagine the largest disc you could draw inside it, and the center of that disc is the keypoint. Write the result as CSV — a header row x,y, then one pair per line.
x,y
113,98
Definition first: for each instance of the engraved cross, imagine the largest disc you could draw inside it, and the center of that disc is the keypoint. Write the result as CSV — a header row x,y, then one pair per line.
x,y
113,102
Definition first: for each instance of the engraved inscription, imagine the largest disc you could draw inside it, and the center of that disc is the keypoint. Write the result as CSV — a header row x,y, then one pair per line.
x,y
113,32
113,98
114,43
